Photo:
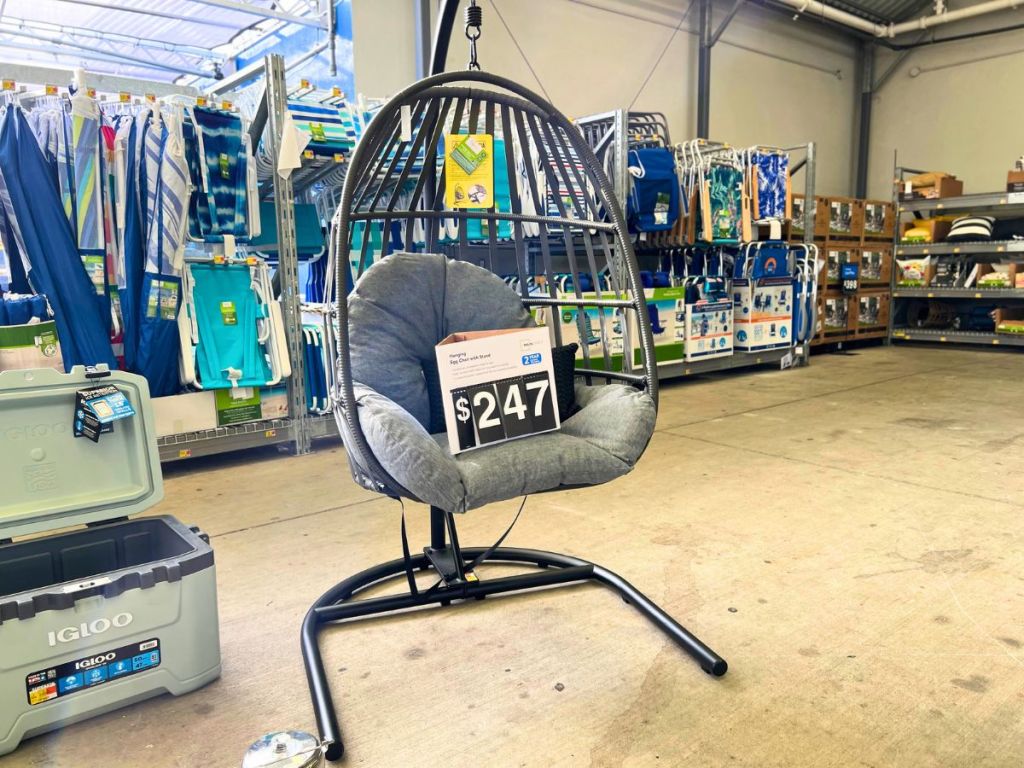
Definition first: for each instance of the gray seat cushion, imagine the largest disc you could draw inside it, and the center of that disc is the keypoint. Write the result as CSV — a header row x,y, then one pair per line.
x,y
398,312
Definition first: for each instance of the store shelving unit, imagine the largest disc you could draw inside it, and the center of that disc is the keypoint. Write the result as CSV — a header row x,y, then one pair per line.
x,y
996,204
611,135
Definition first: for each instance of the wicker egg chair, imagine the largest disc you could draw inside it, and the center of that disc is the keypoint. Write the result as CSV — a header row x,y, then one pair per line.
x,y
423,272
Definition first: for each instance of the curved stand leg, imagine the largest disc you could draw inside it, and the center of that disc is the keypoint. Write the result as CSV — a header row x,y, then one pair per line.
x,y
336,605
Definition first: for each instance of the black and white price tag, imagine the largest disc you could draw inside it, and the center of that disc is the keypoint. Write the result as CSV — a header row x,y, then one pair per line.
x,y
504,409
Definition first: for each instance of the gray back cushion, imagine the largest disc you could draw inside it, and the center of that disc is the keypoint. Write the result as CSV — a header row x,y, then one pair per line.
x,y
405,304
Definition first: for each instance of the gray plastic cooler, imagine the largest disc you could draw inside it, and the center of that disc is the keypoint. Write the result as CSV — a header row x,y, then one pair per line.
x,y
101,616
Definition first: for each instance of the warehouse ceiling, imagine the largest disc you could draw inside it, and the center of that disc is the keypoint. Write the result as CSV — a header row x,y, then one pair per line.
x,y
883,11
150,39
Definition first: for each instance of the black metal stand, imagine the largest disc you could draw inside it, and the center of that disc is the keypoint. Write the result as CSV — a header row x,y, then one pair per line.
x,y
458,583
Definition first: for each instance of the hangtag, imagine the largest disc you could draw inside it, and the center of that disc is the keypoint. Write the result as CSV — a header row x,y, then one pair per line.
x,y
336,92
228,313
339,158
774,229
90,92
308,154
229,246
224,164
124,98
227,106
304,84
406,112
908,187
51,90
200,101
316,132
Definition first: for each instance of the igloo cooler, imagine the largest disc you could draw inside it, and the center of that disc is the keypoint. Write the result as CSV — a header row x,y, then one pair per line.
x,y
110,610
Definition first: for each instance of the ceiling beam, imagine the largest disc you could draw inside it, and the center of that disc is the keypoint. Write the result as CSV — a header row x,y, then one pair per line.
x,y
109,5
41,74
88,51
112,37
263,13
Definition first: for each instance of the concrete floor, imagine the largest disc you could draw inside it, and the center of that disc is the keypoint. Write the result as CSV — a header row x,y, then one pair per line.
x,y
847,535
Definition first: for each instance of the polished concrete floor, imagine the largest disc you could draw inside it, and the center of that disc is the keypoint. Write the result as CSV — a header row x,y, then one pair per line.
x,y
847,535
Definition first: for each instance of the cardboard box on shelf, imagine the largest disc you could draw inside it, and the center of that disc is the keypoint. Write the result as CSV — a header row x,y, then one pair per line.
x,y
1015,181
839,253
930,186
935,229
597,323
190,412
879,220
873,309
709,331
916,272
763,313
838,320
845,218
1009,320
820,210
875,264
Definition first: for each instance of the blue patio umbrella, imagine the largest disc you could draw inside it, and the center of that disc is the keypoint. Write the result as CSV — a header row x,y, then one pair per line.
x,y
33,206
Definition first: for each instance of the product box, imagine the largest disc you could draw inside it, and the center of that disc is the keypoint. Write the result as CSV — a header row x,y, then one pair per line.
x,y
930,186
1015,181
191,412
30,346
762,313
839,254
496,386
1009,320
915,272
845,218
597,323
819,208
837,319
667,313
875,265
873,310
879,220
709,331
936,229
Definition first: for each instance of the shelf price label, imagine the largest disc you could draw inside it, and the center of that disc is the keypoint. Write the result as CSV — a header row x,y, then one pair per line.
x,y
51,90
8,85
495,411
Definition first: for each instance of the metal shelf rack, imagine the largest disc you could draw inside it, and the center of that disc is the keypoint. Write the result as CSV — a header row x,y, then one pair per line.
x,y
958,337
611,135
996,204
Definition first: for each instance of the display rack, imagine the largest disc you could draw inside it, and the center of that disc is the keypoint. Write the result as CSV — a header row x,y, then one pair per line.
x,y
995,204
611,135
296,432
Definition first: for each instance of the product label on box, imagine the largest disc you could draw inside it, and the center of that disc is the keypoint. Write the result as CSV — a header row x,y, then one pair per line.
x,y
237,405
91,671
763,313
497,386
709,330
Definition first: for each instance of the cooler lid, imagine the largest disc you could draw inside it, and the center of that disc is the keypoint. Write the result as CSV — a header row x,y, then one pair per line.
x,y
52,479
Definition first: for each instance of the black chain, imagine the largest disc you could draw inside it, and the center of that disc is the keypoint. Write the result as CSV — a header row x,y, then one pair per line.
x,y
474,23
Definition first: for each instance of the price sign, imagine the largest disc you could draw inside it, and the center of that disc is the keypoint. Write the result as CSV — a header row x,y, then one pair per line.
x,y
849,277
501,410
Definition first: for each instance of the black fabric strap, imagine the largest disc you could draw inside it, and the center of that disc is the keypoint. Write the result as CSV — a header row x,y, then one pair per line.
x,y
490,550
406,556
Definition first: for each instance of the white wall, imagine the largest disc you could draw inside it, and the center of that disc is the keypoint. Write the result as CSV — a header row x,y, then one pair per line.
x,y
963,118
591,59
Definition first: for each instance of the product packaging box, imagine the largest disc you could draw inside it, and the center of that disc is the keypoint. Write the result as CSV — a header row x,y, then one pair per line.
x,y
191,412
837,320
1009,320
875,265
935,230
30,346
931,186
496,386
666,309
873,310
709,331
839,254
845,218
763,313
1015,181
819,210
597,324
879,220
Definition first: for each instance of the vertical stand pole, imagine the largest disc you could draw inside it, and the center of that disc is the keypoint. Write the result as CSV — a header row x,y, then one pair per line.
x,y
866,54
704,71
288,259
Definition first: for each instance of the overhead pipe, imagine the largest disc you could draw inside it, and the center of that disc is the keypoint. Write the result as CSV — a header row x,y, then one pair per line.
x,y
815,9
